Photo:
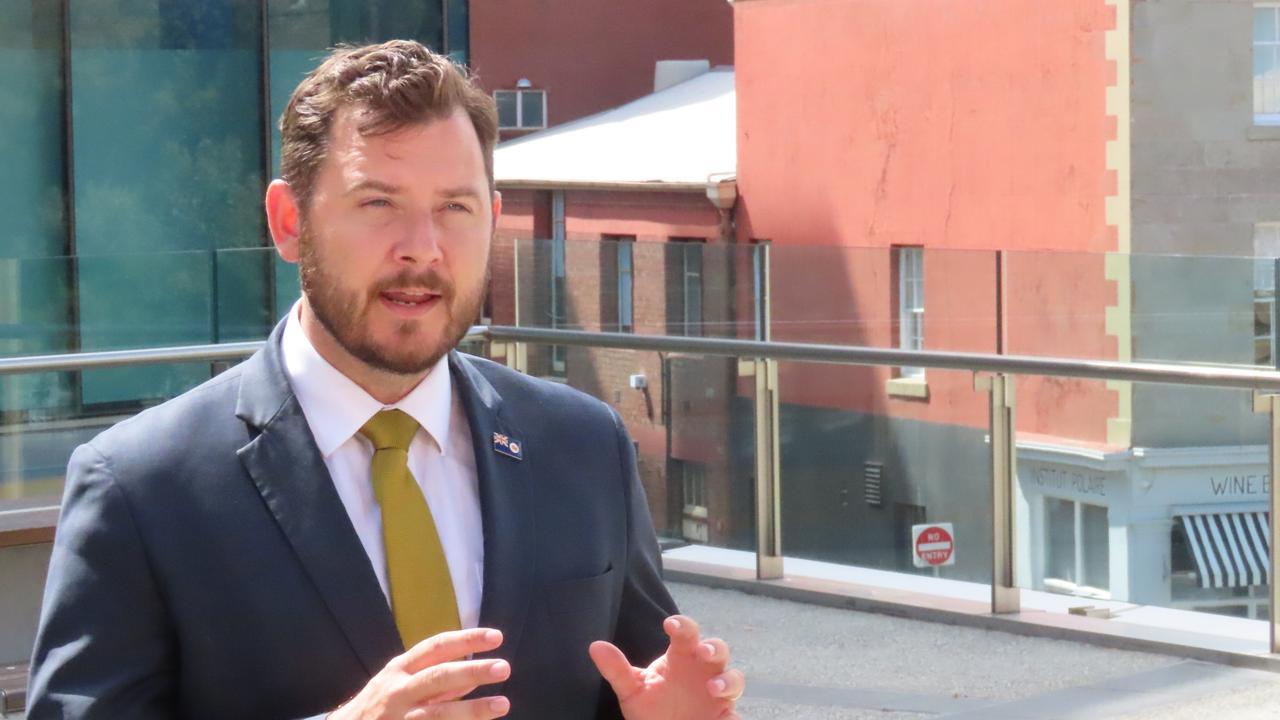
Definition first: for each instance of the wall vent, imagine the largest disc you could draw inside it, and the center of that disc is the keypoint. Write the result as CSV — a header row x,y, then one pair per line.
x,y
872,474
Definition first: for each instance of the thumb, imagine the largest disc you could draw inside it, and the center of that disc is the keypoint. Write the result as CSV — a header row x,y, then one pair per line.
x,y
616,669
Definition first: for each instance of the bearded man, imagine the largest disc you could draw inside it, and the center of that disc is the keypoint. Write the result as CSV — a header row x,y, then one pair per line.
x,y
359,521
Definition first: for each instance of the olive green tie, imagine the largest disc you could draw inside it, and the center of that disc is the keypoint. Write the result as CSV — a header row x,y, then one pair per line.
x,y
422,598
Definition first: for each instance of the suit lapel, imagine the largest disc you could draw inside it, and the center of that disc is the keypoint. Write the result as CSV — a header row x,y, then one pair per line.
x,y
506,494
290,473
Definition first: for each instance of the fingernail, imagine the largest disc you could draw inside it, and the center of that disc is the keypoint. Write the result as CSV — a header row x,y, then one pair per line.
x,y
675,624
499,669
711,650
718,686
492,636
499,705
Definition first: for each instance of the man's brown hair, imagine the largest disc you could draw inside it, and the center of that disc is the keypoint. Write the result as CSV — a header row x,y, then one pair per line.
x,y
396,83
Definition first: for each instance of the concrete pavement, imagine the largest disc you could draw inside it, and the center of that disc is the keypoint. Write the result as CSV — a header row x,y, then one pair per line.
x,y
807,662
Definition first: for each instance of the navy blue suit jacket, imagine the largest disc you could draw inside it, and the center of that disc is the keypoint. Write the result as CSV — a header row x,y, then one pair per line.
x,y
204,566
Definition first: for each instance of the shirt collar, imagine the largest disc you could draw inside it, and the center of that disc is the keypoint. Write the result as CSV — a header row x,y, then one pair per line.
x,y
336,408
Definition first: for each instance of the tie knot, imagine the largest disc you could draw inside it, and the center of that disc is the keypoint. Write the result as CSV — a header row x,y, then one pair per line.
x,y
390,429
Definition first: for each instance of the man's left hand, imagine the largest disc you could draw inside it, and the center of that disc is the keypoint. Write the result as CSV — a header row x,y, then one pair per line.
x,y
689,682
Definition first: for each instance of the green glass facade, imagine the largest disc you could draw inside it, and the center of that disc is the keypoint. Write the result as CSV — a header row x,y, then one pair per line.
x,y
137,139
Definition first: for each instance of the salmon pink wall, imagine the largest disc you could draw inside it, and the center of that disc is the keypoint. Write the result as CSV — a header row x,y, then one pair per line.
x,y
963,127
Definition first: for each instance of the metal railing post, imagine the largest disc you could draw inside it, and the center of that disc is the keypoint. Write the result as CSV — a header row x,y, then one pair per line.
x,y
1270,404
1004,592
767,442
768,485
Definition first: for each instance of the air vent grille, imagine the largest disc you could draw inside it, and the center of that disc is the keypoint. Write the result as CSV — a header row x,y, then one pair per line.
x,y
872,477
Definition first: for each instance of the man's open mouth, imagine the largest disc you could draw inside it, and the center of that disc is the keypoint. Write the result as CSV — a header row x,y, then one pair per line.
x,y
408,298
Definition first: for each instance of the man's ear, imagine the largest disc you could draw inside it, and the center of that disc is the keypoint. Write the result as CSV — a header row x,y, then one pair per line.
x,y
283,219
497,208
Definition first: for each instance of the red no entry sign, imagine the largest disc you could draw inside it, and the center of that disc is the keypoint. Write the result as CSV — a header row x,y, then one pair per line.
x,y
934,545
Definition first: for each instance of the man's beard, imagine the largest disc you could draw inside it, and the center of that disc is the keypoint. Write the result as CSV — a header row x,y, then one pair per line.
x,y
344,316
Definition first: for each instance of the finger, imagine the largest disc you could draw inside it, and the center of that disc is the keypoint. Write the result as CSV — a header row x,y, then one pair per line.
x,y
714,650
729,685
683,632
616,669
478,709
447,646
455,679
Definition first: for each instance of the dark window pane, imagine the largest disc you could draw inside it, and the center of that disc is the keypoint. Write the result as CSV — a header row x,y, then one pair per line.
x,y
1095,543
531,108
458,34
507,108
1061,537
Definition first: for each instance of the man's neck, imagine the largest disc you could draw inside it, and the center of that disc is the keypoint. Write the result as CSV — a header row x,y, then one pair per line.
x,y
385,387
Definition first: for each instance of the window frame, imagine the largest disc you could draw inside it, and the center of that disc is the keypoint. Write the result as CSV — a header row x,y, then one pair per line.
x,y
520,93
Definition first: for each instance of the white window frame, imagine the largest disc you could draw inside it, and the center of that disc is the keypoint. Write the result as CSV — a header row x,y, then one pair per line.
x,y
520,123
1271,118
910,262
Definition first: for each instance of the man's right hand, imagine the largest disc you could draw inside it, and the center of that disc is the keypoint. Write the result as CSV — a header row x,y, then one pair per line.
x,y
428,680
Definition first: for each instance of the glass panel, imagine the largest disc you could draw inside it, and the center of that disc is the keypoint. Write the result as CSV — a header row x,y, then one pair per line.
x,y
301,34
35,297
1095,546
1263,60
162,168
1186,516
508,109
1264,24
861,468
532,108
625,287
459,30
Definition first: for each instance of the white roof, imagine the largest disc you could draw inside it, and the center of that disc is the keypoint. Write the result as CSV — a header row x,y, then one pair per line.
x,y
679,136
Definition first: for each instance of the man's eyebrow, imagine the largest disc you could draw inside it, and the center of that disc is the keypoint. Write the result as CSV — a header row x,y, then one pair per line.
x,y
462,191
374,185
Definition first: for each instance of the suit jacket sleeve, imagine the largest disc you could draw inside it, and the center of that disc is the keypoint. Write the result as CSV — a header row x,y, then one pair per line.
x,y
103,647
645,600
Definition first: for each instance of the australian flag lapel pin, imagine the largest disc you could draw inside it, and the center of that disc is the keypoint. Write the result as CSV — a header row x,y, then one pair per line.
x,y
508,446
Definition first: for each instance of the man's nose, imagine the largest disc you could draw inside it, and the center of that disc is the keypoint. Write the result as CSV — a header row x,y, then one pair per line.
x,y
420,243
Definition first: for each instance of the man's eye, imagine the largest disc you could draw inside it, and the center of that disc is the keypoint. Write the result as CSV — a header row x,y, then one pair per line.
x,y
376,203
457,207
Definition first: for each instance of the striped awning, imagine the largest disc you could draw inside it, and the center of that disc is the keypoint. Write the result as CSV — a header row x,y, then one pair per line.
x,y
1230,549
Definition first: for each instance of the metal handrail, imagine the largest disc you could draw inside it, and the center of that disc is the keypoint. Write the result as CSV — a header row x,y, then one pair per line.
x,y
1169,373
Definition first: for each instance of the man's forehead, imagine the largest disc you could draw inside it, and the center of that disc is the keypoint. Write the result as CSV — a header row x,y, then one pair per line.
x,y
451,144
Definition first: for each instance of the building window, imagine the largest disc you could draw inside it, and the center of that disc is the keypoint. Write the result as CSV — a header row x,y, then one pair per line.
x,y
626,284
521,109
1266,63
1266,254
559,303
1077,550
693,519
910,262
684,288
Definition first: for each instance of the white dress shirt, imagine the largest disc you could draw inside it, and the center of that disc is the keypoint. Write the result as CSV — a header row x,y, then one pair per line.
x,y
441,459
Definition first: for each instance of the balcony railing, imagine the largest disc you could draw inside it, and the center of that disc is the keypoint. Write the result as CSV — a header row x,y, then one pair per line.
x,y
1222,562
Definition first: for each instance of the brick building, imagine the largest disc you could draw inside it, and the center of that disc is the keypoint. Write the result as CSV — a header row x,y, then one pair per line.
x,y
616,223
